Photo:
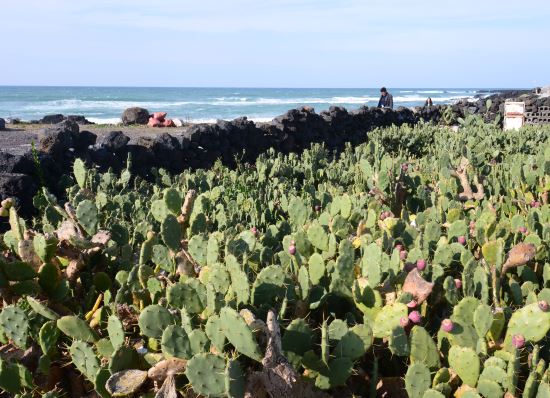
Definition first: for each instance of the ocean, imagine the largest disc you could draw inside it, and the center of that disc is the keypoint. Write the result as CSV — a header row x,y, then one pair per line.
x,y
105,104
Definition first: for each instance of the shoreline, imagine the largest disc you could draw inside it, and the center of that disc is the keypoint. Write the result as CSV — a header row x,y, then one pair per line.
x,y
17,138
105,108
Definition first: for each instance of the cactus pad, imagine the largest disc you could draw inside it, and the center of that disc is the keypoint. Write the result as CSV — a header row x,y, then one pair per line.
x,y
399,342
355,343
239,334
124,358
41,309
76,328
234,380
465,363
530,321
47,336
206,373
268,285
175,343
388,318
483,319
87,216
171,232
18,271
214,331
153,320
423,348
297,338
115,331
84,359
15,324
417,380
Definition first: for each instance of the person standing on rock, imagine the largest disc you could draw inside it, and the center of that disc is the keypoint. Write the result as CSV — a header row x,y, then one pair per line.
x,y
386,99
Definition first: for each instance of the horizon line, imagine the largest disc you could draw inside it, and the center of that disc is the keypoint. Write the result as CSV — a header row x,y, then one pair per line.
x,y
266,87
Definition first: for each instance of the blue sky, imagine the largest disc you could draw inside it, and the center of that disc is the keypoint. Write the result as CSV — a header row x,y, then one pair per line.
x,y
276,43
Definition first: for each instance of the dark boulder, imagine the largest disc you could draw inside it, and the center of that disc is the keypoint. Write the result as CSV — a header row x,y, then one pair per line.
x,y
168,153
114,141
2,124
58,139
135,115
22,188
79,119
52,119
106,159
143,159
83,140
22,164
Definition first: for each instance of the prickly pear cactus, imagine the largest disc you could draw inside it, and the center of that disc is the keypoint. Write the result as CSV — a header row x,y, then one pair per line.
x,y
465,363
417,380
418,261
76,328
153,320
15,324
239,334
83,357
206,373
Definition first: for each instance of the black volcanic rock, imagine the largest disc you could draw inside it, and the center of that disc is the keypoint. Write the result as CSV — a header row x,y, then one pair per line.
x,y
52,119
113,141
135,115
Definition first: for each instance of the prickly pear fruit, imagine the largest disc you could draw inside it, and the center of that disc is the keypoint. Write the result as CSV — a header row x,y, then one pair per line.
x,y
447,325
415,317
421,264
518,340
543,305
462,240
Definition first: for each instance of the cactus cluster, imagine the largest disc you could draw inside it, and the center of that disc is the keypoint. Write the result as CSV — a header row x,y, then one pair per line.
x,y
381,271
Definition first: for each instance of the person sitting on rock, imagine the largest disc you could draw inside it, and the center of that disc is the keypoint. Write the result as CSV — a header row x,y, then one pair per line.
x,y
428,102
386,99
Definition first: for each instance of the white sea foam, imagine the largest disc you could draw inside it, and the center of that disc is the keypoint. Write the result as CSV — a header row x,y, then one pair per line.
x,y
76,105
98,120
431,92
253,118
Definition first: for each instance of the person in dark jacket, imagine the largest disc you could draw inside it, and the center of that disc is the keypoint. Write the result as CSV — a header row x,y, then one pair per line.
x,y
386,99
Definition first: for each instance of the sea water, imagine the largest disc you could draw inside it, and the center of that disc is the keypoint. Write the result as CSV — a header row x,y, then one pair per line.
x,y
105,104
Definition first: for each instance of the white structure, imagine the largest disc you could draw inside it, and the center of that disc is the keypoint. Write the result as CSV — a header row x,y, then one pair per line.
x,y
514,115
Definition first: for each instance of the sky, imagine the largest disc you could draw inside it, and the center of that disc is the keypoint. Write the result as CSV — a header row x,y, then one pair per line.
x,y
276,43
